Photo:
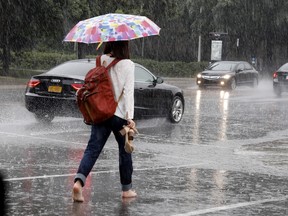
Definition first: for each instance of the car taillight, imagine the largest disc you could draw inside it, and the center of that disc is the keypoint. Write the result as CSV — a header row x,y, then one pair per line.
x,y
76,86
33,82
275,75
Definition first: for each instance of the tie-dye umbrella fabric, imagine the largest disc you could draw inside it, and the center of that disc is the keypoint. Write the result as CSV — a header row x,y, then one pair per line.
x,y
112,27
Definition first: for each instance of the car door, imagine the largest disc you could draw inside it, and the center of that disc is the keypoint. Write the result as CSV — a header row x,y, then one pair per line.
x,y
142,94
149,95
240,73
250,73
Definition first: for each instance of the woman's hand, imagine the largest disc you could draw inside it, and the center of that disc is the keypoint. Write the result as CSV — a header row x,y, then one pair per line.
x,y
131,123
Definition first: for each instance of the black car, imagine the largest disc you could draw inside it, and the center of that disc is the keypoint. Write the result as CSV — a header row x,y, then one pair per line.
x,y
280,80
53,93
228,74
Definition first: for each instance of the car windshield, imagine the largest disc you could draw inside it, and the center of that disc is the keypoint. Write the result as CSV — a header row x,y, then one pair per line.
x,y
223,66
72,68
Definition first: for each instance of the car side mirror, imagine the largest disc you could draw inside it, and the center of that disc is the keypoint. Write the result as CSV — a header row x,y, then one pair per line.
x,y
239,70
159,80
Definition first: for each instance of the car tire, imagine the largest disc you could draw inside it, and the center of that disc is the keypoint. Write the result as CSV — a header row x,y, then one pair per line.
x,y
177,110
44,118
232,84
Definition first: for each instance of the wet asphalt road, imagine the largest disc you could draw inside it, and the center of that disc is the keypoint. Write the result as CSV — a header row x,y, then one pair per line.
x,y
228,156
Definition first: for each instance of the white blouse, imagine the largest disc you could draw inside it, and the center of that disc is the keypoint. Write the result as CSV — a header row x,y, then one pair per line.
x,y
122,76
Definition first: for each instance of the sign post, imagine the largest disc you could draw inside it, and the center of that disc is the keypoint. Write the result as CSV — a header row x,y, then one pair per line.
x,y
216,50
216,45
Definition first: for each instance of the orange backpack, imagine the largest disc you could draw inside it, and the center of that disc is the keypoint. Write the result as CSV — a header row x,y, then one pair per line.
x,y
95,98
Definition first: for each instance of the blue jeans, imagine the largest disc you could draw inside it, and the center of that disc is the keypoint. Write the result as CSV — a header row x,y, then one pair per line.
x,y
99,135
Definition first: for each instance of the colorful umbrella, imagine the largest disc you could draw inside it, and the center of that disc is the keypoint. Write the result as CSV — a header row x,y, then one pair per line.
x,y
112,27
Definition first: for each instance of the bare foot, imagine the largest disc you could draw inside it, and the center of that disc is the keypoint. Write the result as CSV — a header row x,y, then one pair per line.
x,y
77,192
129,194
128,201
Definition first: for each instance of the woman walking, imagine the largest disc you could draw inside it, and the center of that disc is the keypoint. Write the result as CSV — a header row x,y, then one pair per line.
x,y
122,77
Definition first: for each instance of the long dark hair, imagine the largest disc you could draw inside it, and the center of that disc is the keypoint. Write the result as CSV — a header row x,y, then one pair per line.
x,y
117,49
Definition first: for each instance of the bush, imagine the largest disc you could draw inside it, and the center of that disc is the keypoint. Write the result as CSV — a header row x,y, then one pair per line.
x,y
26,64
39,60
173,69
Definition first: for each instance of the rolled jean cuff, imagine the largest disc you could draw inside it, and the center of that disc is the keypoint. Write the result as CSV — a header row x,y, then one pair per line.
x,y
126,187
81,177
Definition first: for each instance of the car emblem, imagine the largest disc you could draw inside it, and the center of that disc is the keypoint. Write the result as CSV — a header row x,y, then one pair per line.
x,y
55,80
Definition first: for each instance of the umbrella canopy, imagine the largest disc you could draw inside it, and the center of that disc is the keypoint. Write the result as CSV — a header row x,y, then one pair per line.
x,y
112,27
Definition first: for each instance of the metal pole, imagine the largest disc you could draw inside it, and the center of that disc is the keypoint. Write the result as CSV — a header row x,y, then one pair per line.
x,y
199,48
142,51
199,40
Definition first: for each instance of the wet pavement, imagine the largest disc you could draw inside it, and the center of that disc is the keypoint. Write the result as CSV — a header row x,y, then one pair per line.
x,y
228,156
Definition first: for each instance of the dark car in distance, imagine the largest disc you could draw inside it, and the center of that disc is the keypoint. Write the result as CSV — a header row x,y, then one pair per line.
x,y
280,80
53,93
228,75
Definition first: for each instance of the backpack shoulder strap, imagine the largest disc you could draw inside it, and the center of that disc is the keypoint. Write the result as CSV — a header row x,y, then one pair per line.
x,y
98,61
115,61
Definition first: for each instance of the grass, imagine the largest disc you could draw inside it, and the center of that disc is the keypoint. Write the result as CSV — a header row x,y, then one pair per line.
x,y
13,81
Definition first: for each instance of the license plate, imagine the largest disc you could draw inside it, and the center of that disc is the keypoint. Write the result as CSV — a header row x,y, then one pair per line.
x,y
55,89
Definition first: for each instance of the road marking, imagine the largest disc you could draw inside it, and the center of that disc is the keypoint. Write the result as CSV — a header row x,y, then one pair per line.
x,y
41,138
84,144
232,206
98,172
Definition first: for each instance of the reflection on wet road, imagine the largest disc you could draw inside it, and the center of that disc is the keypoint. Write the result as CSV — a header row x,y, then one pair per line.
x,y
228,156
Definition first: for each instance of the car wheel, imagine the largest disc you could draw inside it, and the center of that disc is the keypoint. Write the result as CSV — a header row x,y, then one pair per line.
x,y
44,118
177,109
277,90
232,84
255,82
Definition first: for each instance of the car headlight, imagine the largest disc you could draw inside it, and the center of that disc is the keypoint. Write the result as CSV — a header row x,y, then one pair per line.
x,y
227,76
199,75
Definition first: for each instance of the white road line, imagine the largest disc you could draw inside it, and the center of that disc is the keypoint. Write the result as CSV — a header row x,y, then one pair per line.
x,y
232,206
79,143
41,138
97,172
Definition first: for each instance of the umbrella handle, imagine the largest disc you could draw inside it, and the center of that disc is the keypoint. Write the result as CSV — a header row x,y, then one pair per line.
x,y
99,45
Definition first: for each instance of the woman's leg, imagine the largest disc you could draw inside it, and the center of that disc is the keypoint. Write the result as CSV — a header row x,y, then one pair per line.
x,y
125,159
98,138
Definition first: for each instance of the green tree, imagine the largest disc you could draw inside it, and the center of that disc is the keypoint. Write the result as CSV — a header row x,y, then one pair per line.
x,y
34,23
24,23
260,25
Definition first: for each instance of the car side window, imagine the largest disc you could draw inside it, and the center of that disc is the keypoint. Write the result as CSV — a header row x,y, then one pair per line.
x,y
141,75
248,66
240,67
